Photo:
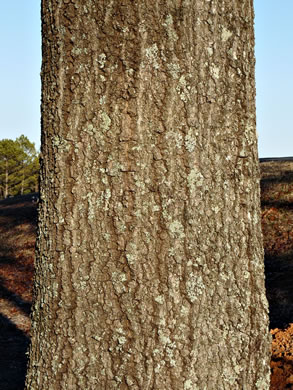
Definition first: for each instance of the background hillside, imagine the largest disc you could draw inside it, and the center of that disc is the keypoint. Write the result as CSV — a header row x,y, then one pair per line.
x,y
277,224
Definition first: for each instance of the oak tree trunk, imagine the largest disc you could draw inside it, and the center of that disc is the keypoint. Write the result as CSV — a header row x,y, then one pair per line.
x,y
149,271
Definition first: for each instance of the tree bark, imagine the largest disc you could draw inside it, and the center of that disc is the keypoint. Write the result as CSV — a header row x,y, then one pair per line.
x,y
149,271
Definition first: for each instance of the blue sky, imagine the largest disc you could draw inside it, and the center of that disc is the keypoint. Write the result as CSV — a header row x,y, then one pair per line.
x,y
20,43
274,76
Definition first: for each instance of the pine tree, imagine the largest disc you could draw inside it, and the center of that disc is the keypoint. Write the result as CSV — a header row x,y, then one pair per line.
x,y
29,166
19,167
11,156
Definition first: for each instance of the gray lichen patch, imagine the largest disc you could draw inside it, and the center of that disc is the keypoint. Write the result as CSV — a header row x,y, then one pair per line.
x,y
60,142
188,385
151,54
215,71
174,70
194,286
210,51
159,299
102,60
225,34
169,25
131,253
76,51
175,138
118,280
190,141
183,89
176,229
105,121
194,179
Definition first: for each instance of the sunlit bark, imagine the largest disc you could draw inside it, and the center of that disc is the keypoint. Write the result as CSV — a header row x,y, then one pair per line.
x,y
149,267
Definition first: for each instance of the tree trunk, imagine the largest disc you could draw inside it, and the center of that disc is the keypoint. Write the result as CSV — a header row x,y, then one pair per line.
x,y
22,182
6,193
149,271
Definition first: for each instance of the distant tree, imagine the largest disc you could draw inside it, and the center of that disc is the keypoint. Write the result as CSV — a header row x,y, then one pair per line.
x,y
10,160
29,166
33,180
19,167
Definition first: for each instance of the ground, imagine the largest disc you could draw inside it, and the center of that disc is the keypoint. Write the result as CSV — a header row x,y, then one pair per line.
x,y
17,240
277,224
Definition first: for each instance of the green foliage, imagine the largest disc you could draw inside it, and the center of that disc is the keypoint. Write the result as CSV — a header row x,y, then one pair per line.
x,y
19,167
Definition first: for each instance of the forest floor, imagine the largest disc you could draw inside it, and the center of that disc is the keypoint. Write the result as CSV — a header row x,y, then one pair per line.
x,y
277,225
17,240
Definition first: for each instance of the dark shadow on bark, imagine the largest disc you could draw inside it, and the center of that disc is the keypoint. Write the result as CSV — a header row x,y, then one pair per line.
x,y
279,287
13,359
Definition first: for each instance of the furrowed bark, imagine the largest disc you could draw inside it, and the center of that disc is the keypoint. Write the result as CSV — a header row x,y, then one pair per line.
x,y
149,271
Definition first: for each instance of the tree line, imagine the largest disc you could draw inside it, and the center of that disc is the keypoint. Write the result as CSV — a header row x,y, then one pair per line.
x,y
19,167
